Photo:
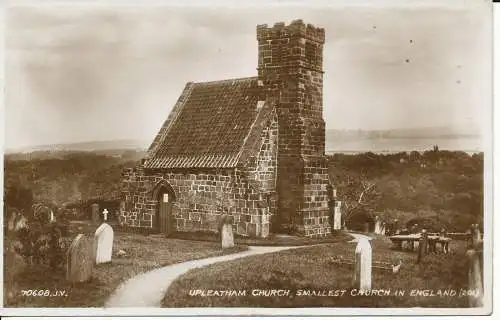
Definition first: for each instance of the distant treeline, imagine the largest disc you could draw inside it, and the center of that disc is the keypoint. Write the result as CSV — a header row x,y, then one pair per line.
x,y
64,178
442,185
444,188
422,133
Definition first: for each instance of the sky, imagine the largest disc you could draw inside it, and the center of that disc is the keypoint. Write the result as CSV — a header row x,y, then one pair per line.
x,y
82,73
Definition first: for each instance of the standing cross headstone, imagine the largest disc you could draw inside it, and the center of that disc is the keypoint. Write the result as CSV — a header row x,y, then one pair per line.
x,y
104,241
105,214
80,259
363,265
95,213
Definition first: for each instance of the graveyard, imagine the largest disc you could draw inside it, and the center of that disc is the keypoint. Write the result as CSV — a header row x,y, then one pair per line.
x,y
88,275
313,277
403,191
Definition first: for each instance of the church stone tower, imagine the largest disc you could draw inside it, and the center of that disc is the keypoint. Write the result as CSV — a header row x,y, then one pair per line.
x,y
291,70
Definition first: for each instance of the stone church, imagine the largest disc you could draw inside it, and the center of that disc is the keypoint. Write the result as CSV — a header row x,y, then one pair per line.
x,y
250,148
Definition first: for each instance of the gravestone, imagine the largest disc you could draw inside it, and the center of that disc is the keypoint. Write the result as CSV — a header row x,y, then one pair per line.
x,y
378,225
422,245
476,234
444,244
363,265
265,226
105,214
95,213
80,259
227,238
475,279
337,218
104,241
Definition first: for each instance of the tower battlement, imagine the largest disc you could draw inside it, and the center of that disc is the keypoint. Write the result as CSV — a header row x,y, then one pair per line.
x,y
297,28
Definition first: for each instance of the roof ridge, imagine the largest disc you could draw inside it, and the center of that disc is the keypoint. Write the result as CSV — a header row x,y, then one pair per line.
x,y
226,80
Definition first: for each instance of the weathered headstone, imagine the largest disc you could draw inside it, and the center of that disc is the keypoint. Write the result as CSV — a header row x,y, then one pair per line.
x,y
363,265
378,225
443,241
422,245
80,259
475,279
265,226
337,216
104,241
227,238
95,213
476,234
432,245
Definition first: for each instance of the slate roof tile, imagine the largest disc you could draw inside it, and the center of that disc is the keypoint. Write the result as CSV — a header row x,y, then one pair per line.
x,y
208,125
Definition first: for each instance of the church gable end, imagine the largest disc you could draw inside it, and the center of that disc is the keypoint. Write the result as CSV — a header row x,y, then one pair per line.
x,y
250,148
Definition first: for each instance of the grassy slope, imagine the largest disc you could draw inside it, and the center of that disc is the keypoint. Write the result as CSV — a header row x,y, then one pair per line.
x,y
310,268
144,253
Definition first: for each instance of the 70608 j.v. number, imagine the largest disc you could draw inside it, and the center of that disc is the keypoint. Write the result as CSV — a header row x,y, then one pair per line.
x,y
44,293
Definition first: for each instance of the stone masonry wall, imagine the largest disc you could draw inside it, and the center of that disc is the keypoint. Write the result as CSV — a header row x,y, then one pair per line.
x,y
315,208
246,194
290,67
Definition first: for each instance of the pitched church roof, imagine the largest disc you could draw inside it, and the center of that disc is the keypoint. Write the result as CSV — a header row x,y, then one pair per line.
x,y
212,125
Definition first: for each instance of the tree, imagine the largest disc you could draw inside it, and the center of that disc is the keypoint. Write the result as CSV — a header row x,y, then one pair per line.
x,y
18,197
358,195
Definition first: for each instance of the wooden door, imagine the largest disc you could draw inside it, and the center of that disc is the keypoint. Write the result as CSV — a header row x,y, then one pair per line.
x,y
165,214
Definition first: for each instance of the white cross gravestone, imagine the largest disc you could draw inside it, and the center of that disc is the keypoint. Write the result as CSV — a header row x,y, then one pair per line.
x,y
227,237
363,266
105,214
104,240
337,218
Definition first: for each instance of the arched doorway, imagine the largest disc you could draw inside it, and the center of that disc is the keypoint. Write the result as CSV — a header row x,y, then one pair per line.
x,y
165,196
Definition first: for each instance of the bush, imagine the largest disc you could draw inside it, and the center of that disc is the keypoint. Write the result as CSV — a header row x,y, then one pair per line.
x,y
39,241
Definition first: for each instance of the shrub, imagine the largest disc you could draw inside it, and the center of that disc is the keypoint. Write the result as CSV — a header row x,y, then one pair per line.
x,y
39,241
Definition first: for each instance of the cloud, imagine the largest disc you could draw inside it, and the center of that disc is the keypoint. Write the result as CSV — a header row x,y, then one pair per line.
x,y
85,73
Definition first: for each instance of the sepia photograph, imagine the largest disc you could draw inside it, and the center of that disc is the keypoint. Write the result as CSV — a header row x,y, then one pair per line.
x,y
267,158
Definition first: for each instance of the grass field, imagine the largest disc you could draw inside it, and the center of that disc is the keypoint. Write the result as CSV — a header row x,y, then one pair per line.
x,y
311,269
144,253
